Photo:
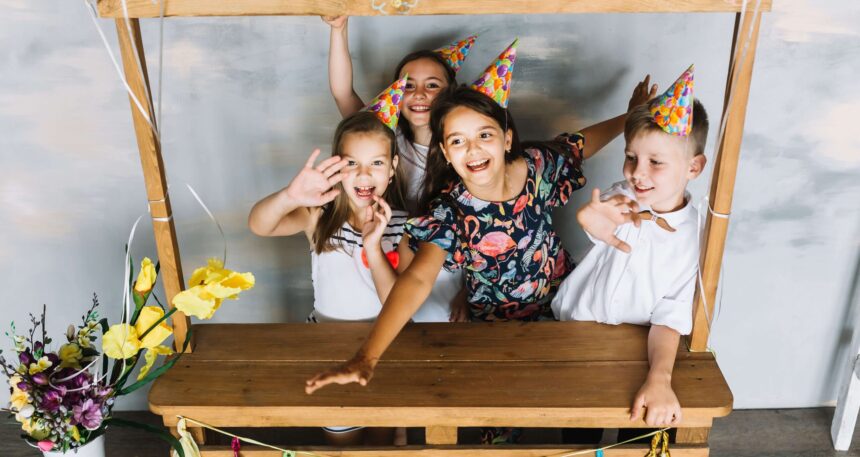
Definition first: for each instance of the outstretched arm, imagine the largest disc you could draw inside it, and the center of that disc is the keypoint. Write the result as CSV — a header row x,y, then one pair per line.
x,y
407,295
655,398
599,135
340,67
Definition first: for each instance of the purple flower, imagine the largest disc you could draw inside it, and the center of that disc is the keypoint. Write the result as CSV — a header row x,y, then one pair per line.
x,y
88,414
23,386
53,358
51,401
40,378
26,358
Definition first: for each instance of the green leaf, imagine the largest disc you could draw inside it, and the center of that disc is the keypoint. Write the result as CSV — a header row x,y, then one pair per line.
x,y
158,431
158,371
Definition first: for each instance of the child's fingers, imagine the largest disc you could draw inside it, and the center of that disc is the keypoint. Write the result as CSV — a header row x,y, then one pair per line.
x,y
327,163
676,417
312,158
595,195
335,168
386,210
647,81
653,92
638,408
368,214
620,245
330,195
336,178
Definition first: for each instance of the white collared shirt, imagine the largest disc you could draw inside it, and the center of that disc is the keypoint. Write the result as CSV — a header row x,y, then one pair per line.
x,y
654,284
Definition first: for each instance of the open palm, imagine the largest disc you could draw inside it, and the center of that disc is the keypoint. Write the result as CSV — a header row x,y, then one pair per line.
x,y
313,185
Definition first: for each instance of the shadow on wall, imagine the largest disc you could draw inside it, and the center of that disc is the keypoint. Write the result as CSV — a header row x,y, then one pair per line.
x,y
845,337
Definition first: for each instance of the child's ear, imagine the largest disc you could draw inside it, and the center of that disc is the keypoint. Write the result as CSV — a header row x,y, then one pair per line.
x,y
394,163
509,139
697,165
444,152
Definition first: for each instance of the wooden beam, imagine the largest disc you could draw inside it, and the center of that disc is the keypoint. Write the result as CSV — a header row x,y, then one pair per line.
x,y
131,47
725,169
459,451
692,435
179,8
440,435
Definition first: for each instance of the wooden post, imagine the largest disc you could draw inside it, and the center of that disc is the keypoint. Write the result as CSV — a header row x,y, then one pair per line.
x,y
692,435
153,171
725,168
440,435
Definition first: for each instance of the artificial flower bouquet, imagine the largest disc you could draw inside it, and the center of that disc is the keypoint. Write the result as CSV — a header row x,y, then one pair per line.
x,y
63,397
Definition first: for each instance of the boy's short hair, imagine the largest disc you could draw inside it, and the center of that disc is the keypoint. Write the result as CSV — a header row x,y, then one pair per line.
x,y
640,120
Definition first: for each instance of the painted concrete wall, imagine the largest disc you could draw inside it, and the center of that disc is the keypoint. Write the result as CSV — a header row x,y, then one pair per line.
x,y
245,100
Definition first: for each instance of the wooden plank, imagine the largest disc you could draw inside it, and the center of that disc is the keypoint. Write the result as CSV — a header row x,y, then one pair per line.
x,y
523,394
723,180
440,435
420,343
130,43
459,451
692,435
148,8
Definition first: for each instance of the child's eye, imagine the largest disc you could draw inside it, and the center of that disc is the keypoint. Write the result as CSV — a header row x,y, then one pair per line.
x,y
486,135
630,158
433,86
350,163
410,86
654,162
378,163
455,141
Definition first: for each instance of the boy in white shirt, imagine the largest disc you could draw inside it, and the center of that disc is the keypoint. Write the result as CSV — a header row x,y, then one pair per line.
x,y
642,269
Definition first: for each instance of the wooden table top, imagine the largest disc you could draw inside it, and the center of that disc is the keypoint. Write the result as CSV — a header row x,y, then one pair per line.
x,y
544,374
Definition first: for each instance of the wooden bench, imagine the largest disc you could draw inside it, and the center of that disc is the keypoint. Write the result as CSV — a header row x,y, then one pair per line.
x,y
436,376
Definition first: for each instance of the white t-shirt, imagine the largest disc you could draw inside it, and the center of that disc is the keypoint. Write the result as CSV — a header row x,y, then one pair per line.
x,y
437,307
343,286
654,284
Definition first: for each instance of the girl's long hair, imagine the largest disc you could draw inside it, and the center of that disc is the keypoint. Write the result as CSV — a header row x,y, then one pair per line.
x,y
337,212
450,77
439,175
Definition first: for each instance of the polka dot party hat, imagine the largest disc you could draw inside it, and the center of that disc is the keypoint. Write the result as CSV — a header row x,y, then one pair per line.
x,y
673,110
386,105
496,80
455,53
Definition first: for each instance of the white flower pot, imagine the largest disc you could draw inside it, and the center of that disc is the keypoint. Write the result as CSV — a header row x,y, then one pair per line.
x,y
95,448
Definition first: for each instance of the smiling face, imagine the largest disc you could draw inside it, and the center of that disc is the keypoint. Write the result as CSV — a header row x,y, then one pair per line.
x,y
427,78
369,168
658,167
475,146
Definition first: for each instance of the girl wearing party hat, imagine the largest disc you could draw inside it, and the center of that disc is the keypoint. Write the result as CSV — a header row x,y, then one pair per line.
x,y
642,268
431,72
349,208
490,200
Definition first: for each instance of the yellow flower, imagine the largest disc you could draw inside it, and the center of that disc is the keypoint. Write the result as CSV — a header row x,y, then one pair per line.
x,y
197,302
33,427
148,316
146,277
19,399
120,341
70,355
210,285
150,356
76,434
41,365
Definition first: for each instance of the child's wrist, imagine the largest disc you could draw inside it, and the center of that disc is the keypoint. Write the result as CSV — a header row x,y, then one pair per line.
x,y
659,377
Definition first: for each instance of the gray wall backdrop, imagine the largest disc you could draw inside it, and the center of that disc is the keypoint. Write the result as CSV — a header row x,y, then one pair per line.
x,y
246,100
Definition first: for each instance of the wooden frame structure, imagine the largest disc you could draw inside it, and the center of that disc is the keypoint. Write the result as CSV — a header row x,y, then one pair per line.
x,y
745,37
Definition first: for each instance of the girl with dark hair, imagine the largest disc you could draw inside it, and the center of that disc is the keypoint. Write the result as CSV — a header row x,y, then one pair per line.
x,y
490,203
430,73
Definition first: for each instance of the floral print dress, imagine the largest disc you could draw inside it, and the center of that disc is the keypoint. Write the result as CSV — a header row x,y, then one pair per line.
x,y
512,255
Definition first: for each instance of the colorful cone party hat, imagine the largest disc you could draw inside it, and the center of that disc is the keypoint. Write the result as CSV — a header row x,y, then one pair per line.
x,y
455,53
496,80
386,105
674,109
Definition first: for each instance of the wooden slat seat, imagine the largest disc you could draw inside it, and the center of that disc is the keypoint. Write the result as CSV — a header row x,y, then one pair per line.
x,y
554,374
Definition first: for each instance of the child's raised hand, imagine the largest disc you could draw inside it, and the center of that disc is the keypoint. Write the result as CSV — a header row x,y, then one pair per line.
x,y
658,403
336,22
358,369
313,185
375,222
601,218
642,93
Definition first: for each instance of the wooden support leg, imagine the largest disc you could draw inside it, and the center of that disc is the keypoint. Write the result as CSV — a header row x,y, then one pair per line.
x,y
692,435
441,435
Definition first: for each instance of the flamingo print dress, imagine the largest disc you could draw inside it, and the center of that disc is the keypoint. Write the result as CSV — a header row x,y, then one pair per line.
x,y
510,251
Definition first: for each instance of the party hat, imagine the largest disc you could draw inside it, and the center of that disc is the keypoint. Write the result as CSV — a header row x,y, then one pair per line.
x,y
455,53
673,110
386,105
496,80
